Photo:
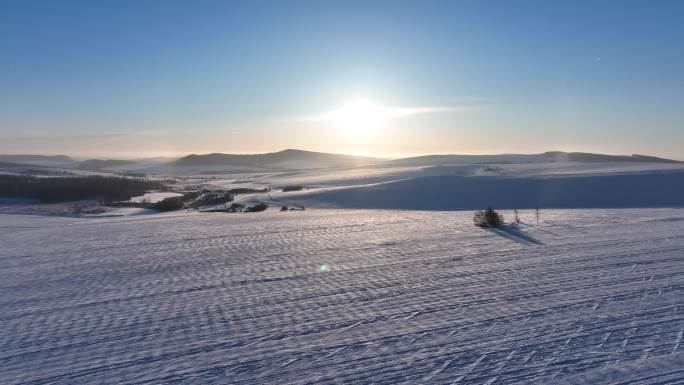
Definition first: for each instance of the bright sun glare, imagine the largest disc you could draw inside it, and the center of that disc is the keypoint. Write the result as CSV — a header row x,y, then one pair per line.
x,y
362,120
359,119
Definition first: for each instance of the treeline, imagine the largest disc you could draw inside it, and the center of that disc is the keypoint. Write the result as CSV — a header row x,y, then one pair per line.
x,y
62,189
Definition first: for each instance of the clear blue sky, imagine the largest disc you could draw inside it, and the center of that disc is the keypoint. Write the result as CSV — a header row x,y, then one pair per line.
x,y
164,77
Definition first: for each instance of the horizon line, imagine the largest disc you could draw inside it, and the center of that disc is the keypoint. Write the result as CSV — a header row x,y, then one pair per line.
x,y
385,156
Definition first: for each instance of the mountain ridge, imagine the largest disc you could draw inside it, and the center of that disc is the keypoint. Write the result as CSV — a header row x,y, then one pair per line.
x,y
303,159
546,157
277,160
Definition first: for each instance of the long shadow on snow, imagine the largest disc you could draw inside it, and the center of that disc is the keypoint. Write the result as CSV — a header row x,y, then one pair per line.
x,y
515,234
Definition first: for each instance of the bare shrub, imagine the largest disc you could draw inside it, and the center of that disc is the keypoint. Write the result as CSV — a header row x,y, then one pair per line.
x,y
488,218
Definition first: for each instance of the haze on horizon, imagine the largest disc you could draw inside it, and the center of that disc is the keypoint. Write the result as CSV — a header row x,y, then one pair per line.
x,y
153,78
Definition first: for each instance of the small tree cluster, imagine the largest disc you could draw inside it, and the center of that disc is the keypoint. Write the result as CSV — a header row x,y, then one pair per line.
x,y
292,188
215,198
62,189
256,208
488,218
245,190
169,204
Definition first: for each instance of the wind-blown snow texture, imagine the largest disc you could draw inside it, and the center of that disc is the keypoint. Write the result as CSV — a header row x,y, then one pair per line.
x,y
586,296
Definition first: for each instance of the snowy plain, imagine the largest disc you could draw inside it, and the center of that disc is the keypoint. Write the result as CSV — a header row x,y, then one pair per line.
x,y
343,296
472,187
379,280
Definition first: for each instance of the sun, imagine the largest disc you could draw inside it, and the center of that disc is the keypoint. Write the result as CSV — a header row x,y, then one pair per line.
x,y
359,119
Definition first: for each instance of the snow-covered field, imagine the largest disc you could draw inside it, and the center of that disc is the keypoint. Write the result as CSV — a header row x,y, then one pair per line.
x,y
433,187
453,192
154,197
343,296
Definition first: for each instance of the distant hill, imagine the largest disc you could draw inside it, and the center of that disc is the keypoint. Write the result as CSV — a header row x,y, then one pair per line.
x,y
282,160
551,156
42,160
100,164
16,165
431,160
292,159
560,156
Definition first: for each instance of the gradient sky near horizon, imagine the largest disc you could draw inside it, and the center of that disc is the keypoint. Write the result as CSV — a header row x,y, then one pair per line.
x,y
150,78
